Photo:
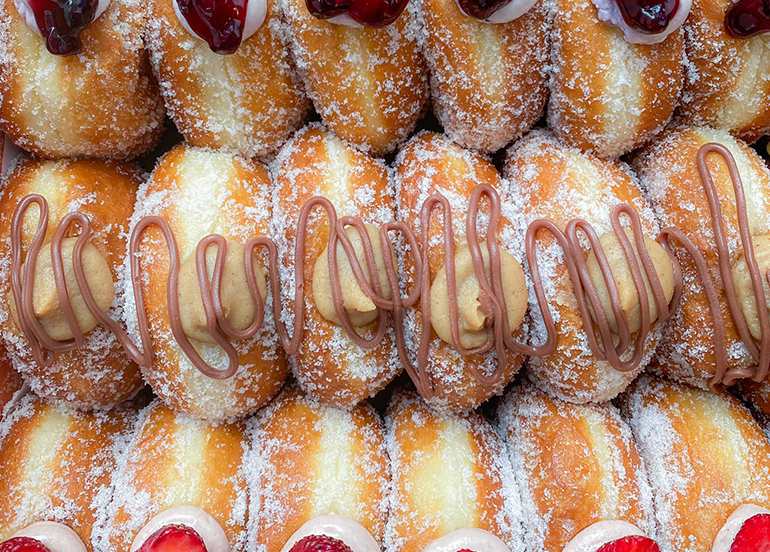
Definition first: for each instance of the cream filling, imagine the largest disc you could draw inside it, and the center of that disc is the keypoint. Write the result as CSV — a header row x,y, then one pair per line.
x,y
57,537
256,12
193,517
597,535
477,540
511,11
609,12
726,536
352,533
24,9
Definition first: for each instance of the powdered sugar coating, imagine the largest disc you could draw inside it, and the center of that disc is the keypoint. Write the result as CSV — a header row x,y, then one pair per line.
x,y
609,11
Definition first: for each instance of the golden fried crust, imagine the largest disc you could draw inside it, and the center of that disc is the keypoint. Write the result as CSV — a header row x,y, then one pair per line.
x,y
430,163
316,460
577,465
199,192
103,102
369,85
10,380
705,456
449,473
98,375
57,465
329,365
551,180
488,81
728,82
669,171
758,396
248,102
609,96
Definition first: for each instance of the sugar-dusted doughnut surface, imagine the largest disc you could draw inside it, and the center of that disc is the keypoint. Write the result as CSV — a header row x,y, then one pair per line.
x,y
10,381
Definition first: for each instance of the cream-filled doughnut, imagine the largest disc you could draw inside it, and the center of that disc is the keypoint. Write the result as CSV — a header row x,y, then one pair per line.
x,y
95,97
199,193
321,472
580,474
705,456
98,372
452,484
224,89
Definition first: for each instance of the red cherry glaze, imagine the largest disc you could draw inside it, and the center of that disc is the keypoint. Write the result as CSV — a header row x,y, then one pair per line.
x,y
320,543
482,9
219,22
372,13
174,538
324,9
466,550
23,544
754,535
648,16
635,543
747,18
61,22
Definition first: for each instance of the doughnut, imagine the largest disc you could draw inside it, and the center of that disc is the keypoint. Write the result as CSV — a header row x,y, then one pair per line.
x,y
181,480
321,472
757,396
10,382
669,171
369,84
727,83
610,92
488,79
238,93
708,463
98,373
102,102
452,484
551,180
197,193
56,467
330,363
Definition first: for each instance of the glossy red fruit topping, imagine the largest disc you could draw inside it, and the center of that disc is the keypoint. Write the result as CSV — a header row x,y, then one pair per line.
x,y
648,16
372,13
635,543
174,538
465,550
23,544
61,22
219,22
754,535
482,9
324,9
320,543
747,18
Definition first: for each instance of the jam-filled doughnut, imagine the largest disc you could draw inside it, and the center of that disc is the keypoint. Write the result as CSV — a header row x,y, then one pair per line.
x,y
86,89
367,78
180,482
671,171
728,78
322,472
617,74
551,180
486,101
579,471
231,372
225,73
431,164
452,484
56,467
90,370
708,463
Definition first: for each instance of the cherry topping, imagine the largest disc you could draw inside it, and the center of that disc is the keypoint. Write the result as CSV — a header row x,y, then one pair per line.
x,y
23,544
466,550
482,9
747,18
634,543
219,22
324,9
754,535
320,543
372,13
61,22
174,538
648,16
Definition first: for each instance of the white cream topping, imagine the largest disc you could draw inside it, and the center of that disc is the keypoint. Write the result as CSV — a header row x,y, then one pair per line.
x,y
724,539
511,11
346,20
190,516
609,12
597,535
256,12
57,537
22,6
352,533
477,540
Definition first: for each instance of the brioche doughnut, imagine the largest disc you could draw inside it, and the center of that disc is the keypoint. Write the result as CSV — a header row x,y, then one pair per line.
x,y
103,102
488,80
576,466
449,474
10,381
56,466
757,395
551,180
317,461
609,96
247,102
705,457
99,374
369,85
200,192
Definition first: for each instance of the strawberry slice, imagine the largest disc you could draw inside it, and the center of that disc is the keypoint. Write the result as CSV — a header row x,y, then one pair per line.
x,y
23,544
754,535
635,543
174,538
320,543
